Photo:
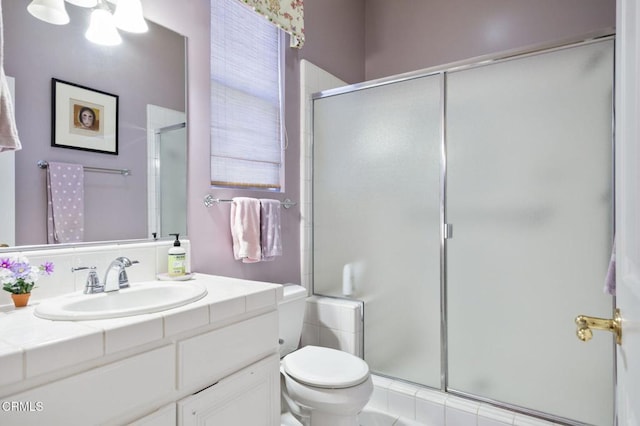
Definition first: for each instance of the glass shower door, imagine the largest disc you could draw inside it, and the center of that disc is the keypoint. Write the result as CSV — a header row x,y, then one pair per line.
x,y
171,177
376,168
529,195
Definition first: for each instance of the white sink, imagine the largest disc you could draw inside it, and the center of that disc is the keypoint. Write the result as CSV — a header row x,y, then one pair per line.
x,y
140,298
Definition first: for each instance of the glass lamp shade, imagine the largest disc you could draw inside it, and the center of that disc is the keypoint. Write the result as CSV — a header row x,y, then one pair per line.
x,y
83,3
128,16
51,11
102,29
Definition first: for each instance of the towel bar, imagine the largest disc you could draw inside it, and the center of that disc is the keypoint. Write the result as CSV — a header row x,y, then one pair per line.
x,y
124,172
209,201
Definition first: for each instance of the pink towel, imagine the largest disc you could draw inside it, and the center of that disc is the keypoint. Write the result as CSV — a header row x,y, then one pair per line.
x,y
65,203
270,229
9,140
245,229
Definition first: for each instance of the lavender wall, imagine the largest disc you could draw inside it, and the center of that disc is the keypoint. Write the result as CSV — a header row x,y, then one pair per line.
x,y
208,228
35,51
335,32
335,37
407,35
337,44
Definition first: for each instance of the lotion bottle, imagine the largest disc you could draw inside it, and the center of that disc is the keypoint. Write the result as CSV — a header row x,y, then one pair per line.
x,y
177,259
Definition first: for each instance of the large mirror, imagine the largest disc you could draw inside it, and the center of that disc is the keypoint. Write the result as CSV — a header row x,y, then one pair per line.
x,y
147,73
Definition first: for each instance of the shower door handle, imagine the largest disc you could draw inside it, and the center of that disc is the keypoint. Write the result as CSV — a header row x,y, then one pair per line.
x,y
586,325
448,231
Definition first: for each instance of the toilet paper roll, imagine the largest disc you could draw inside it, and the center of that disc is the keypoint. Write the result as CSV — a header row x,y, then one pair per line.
x,y
347,280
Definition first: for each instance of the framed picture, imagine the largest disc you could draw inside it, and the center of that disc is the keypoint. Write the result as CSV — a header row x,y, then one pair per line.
x,y
83,118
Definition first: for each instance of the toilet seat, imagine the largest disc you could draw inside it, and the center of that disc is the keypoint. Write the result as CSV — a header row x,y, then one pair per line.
x,y
325,368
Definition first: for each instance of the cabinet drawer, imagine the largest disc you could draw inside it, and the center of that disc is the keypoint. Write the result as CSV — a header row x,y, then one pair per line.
x,y
250,396
98,395
207,358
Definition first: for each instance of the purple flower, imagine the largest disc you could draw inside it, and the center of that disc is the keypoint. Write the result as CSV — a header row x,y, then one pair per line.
x,y
21,270
47,268
17,276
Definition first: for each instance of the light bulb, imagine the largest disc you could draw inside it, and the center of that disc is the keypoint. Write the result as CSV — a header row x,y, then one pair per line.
x,y
102,29
83,3
51,11
128,16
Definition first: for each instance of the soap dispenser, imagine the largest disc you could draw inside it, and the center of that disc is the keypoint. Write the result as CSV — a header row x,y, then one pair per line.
x,y
177,259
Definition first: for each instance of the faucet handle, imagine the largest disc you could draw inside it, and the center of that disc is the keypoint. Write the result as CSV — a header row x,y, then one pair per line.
x,y
92,285
126,262
123,279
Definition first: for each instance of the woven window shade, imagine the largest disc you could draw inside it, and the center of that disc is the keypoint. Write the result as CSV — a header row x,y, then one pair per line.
x,y
246,111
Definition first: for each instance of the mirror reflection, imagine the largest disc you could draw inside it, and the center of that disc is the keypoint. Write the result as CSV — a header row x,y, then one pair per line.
x,y
147,73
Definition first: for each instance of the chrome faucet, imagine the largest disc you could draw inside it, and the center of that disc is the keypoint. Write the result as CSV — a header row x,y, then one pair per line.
x,y
92,285
116,276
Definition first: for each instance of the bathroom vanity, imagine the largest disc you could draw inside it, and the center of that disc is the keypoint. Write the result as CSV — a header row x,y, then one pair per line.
x,y
214,360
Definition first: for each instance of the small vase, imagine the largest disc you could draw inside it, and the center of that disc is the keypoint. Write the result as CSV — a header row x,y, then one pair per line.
x,y
20,300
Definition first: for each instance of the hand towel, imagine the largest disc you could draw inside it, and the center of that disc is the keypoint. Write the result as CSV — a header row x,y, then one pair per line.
x,y
245,229
9,140
610,279
270,229
65,203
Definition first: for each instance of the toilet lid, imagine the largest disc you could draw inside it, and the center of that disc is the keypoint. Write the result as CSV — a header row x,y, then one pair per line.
x,y
325,367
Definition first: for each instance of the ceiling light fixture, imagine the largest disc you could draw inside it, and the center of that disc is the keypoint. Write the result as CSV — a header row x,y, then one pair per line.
x,y
128,17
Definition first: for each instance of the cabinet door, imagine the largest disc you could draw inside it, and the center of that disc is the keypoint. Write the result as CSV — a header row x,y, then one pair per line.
x,y
165,416
250,396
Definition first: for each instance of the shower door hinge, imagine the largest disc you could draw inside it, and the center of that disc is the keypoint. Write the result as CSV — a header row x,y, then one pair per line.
x,y
448,231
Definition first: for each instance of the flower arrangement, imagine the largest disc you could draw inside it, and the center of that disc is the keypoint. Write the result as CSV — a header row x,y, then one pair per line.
x,y
17,276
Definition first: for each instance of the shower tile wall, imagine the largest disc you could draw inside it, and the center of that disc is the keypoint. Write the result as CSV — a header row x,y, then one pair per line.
x,y
333,323
431,407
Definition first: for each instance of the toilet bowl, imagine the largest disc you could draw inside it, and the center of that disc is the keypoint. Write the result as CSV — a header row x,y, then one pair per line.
x,y
320,386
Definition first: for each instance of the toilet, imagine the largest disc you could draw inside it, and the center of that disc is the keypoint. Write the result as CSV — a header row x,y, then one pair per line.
x,y
320,386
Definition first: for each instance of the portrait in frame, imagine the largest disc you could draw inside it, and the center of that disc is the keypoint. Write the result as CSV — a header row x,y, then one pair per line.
x,y
84,118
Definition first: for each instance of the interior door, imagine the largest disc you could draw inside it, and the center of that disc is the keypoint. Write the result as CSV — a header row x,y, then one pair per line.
x,y
628,209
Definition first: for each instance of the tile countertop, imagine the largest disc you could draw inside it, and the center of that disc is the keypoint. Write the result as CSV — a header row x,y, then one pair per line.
x,y
32,348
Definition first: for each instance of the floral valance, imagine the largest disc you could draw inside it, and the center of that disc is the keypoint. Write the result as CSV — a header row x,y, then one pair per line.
x,y
286,14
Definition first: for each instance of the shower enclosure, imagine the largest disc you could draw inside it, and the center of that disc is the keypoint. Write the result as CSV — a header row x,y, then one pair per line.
x,y
171,180
471,209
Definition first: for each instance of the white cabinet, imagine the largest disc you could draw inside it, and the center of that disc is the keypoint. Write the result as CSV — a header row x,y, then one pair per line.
x,y
248,397
100,395
234,359
208,357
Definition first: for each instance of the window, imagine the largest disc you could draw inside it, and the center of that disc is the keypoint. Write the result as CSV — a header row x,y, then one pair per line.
x,y
246,98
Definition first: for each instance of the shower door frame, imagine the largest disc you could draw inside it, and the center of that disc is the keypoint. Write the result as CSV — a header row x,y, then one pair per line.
x,y
446,230
158,133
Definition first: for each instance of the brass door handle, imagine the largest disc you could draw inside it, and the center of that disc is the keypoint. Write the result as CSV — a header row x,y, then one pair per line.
x,y
586,325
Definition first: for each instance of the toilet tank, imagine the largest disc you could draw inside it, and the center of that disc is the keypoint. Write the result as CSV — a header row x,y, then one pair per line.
x,y
291,317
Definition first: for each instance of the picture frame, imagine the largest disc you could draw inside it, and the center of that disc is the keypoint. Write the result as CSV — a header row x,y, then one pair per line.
x,y
83,118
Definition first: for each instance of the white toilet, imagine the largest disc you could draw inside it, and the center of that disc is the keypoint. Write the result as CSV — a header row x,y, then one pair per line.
x,y
320,386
